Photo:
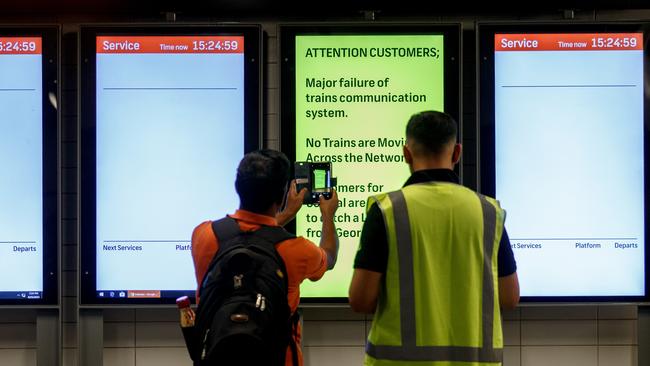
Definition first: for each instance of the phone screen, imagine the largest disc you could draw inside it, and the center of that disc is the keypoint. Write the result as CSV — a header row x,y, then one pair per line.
x,y
320,180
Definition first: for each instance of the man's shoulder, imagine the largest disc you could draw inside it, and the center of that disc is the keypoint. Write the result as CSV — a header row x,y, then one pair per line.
x,y
299,242
204,242
202,227
303,258
298,248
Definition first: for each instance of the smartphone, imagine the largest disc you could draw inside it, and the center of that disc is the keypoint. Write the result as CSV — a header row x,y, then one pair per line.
x,y
316,177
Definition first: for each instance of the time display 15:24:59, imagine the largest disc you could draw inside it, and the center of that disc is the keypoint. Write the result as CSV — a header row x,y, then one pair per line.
x,y
215,45
11,46
611,42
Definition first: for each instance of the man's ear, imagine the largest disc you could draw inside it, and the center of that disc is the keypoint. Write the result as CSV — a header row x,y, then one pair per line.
x,y
455,156
283,203
408,158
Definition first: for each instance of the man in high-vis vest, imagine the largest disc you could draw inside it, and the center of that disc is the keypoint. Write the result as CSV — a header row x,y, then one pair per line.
x,y
434,263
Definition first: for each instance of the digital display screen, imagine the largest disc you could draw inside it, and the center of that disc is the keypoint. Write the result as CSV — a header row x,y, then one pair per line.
x,y
21,159
169,134
28,157
569,160
354,94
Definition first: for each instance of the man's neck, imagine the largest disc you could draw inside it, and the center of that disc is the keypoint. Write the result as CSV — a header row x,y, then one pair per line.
x,y
430,164
271,211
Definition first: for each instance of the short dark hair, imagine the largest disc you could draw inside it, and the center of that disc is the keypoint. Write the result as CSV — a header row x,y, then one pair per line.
x,y
431,130
262,178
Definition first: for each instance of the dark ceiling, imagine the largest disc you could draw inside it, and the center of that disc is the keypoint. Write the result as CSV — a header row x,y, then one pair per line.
x,y
305,8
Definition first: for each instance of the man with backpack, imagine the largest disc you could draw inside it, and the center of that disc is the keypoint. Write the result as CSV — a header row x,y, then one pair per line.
x,y
249,269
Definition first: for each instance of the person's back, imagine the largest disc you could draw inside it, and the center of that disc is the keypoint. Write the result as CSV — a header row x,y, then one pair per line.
x,y
434,287
262,179
438,267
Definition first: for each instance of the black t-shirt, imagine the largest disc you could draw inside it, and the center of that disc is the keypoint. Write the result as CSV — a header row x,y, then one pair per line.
x,y
373,249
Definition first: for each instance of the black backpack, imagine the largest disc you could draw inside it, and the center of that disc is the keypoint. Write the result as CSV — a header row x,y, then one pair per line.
x,y
243,317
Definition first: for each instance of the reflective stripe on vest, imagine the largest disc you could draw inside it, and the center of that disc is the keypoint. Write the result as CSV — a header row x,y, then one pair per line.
x,y
408,350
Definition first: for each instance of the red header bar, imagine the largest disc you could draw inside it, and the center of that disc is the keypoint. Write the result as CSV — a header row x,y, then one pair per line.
x,y
568,42
171,44
21,46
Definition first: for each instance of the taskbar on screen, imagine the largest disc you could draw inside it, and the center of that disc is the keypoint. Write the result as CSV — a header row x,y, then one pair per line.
x,y
19,295
142,294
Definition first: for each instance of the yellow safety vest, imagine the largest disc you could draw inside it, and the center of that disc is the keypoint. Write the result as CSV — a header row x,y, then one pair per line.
x,y
439,301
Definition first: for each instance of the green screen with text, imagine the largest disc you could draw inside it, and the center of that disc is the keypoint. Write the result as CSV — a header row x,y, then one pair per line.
x,y
354,96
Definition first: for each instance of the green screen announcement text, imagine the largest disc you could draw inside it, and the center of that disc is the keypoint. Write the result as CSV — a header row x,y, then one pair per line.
x,y
354,95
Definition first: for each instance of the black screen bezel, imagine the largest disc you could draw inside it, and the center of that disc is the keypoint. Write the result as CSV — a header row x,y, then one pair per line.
x,y
50,122
452,79
486,108
87,87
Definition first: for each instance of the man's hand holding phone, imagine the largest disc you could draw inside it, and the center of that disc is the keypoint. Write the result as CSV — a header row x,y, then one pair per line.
x,y
292,205
318,183
329,206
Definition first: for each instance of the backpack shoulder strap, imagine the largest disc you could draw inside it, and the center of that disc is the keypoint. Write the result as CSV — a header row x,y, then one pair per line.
x,y
225,229
269,237
294,320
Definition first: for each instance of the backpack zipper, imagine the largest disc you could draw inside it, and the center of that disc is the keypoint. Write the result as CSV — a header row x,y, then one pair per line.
x,y
237,281
205,339
260,302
